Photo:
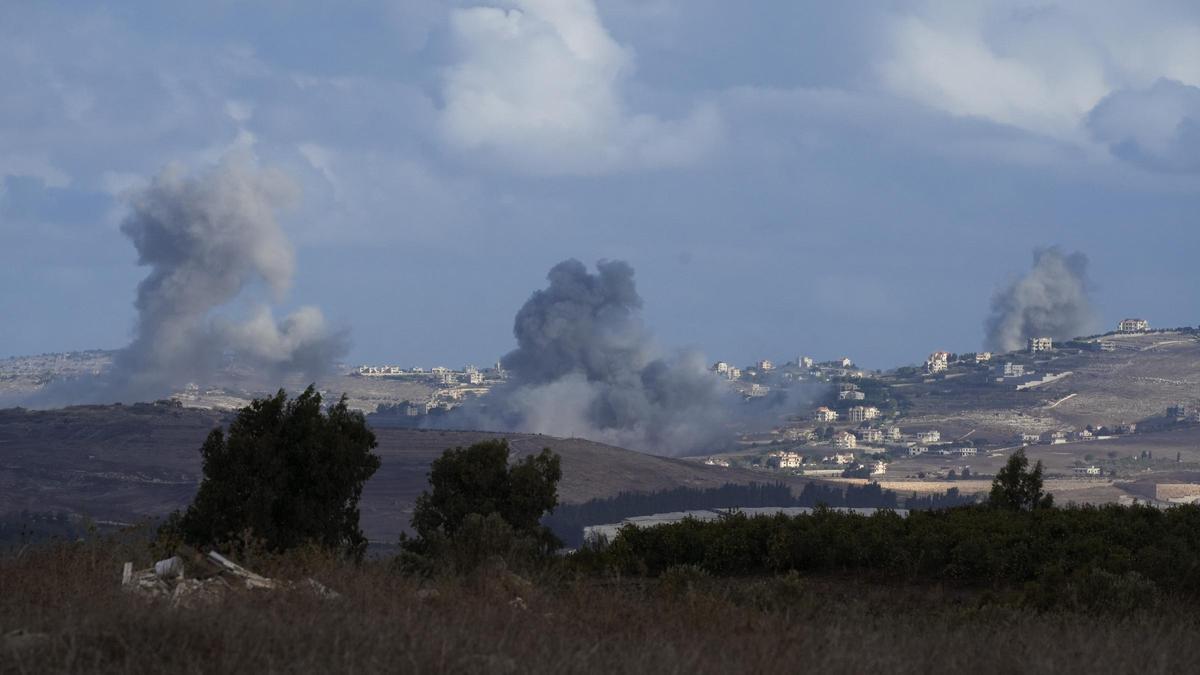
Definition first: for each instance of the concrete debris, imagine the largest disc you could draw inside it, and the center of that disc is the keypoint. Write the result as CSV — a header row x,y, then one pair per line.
x,y
193,579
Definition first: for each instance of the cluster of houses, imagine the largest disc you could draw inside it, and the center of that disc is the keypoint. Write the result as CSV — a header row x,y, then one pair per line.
x,y
792,460
798,369
438,375
858,413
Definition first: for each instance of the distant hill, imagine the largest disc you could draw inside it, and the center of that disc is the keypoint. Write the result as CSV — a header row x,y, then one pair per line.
x,y
122,463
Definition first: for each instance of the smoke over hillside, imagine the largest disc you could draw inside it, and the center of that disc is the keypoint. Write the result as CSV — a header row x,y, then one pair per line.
x,y
586,366
1051,300
208,239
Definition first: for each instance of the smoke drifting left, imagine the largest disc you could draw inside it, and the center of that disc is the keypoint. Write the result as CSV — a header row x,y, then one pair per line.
x,y
208,239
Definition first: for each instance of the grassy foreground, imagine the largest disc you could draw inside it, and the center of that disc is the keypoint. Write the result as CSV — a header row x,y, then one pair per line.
x,y
496,622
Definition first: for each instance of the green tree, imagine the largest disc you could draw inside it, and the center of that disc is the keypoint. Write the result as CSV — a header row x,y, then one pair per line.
x,y
479,480
1018,488
288,473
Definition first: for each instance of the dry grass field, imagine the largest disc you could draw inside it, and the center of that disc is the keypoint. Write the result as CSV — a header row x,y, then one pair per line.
x,y
69,600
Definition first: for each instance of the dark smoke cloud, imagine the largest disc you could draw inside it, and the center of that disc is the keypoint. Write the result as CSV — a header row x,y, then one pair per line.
x,y
1051,300
207,239
586,366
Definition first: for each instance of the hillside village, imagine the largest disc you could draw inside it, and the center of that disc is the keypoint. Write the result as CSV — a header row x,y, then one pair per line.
x,y
952,419
1096,409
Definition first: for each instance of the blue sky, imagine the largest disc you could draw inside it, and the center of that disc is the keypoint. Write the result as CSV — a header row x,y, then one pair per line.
x,y
786,178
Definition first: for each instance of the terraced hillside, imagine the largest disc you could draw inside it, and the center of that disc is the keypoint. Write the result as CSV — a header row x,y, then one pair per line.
x,y
1134,383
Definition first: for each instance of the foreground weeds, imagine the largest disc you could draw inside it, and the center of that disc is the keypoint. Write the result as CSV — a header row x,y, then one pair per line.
x,y
494,621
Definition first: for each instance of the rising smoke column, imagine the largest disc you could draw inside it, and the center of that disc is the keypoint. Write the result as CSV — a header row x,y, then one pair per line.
x,y
207,239
1051,300
586,366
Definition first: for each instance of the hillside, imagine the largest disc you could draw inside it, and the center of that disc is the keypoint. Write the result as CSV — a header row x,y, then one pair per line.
x,y
121,463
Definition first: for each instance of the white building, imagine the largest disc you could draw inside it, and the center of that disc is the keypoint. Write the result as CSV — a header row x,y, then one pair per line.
x,y
917,450
1011,370
1086,470
927,437
965,451
851,395
720,368
844,440
894,434
937,362
1040,344
765,365
983,357
1133,326
758,390
824,414
880,468
860,413
846,362
789,460
870,435
805,362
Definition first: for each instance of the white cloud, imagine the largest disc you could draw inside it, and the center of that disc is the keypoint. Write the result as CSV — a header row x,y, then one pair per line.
x,y
34,165
539,85
959,63
1157,127
1038,67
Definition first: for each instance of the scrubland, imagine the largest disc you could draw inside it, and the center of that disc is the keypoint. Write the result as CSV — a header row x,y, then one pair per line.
x,y
558,618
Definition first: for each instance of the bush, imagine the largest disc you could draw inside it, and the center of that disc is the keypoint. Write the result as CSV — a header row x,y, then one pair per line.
x,y
1060,549
288,474
479,505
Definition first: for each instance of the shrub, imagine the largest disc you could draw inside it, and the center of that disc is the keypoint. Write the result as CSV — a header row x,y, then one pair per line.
x,y
480,505
287,474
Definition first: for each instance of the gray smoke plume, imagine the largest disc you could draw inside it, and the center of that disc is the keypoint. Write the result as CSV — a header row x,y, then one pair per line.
x,y
586,366
1050,301
207,239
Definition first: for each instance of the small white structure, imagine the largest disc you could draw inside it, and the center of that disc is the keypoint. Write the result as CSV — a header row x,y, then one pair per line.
x,y
805,362
789,460
870,435
1133,326
1011,370
937,362
844,440
931,436
824,414
851,395
1086,470
917,450
1040,344
765,365
983,357
861,413
846,362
